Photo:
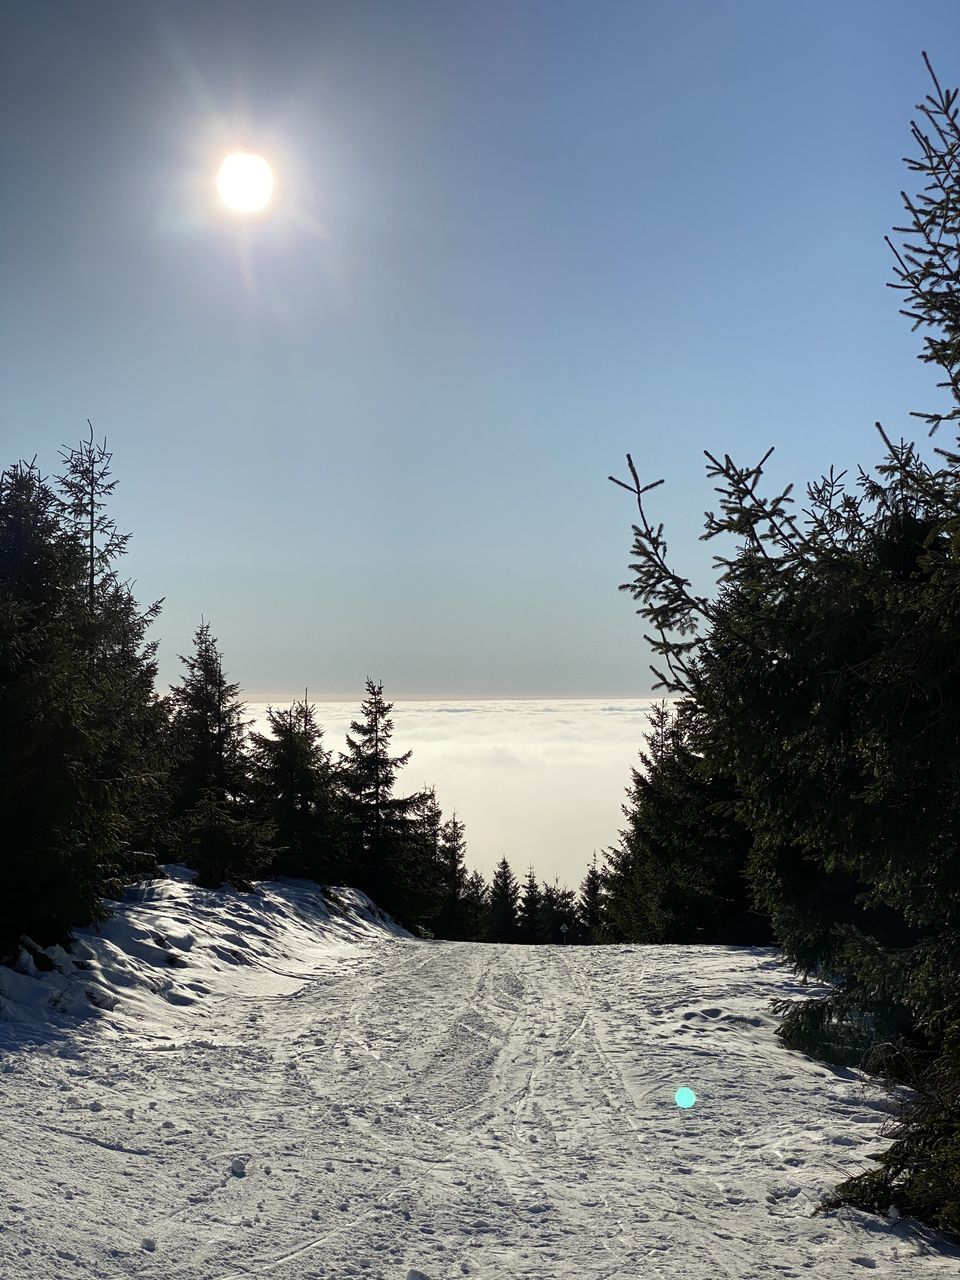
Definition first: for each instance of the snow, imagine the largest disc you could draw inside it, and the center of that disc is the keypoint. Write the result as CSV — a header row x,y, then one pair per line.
x,y
285,1084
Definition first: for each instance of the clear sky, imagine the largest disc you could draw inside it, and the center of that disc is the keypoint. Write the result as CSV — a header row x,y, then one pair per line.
x,y
369,431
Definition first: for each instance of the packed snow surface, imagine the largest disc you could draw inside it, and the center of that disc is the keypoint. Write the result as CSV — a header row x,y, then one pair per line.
x,y
214,1086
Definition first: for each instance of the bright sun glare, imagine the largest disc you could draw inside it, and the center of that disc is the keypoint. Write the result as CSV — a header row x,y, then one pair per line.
x,y
245,182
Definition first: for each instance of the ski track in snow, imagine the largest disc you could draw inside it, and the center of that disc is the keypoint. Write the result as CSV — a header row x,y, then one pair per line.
x,y
458,1109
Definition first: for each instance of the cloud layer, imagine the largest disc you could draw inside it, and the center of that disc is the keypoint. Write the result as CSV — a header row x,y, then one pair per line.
x,y
539,781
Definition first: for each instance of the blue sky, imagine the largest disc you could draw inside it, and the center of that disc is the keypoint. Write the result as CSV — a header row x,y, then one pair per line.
x,y
370,432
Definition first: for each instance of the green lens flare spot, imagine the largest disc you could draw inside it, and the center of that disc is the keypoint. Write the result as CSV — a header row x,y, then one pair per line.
x,y
685,1098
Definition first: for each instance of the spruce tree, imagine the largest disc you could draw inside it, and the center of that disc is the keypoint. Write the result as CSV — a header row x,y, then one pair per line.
x,y
635,868
590,906
381,844
456,917
679,874
528,914
53,844
209,728
77,709
501,922
129,719
293,788
558,914
210,789
476,896
825,677
426,863
86,485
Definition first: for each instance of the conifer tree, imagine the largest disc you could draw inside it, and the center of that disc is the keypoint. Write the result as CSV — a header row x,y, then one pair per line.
x,y
456,915
679,874
127,718
76,703
634,868
293,788
379,828
210,786
476,895
52,855
224,841
501,922
528,916
426,864
87,485
209,728
825,677
558,914
590,907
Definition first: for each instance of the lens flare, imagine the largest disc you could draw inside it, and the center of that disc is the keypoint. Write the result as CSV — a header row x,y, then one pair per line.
x,y
684,1098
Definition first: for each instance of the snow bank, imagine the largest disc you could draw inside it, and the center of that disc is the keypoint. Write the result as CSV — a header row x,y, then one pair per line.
x,y
169,944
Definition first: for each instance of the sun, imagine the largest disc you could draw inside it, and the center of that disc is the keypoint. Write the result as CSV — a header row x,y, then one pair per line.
x,y
245,182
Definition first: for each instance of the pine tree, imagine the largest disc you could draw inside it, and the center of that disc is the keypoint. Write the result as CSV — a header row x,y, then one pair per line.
x,y
476,897
501,922
426,862
558,914
224,841
679,874
635,868
77,711
825,677
86,485
210,788
51,854
209,728
380,836
128,720
293,788
590,907
528,916
456,917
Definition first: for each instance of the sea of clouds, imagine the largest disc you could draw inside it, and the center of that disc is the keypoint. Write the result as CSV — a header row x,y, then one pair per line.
x,y
541,781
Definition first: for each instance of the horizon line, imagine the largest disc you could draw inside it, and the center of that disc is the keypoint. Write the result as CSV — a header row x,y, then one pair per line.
x,y
282,698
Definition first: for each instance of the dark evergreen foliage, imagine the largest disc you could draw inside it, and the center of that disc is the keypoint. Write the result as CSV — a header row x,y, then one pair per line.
x,y
78,718
51,866
293,788
476,896
501,920
592,906
557,919
130,720
382,841
86,486
208,728
224,841
458,910
825,676
529,909
425,861
214,821
678,874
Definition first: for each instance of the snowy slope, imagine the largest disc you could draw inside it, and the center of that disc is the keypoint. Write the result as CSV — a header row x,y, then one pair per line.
x,y
172,940
307,1092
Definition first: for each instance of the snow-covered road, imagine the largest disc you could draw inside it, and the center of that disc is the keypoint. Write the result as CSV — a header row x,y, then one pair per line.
x,y
452,1109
